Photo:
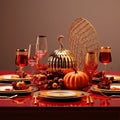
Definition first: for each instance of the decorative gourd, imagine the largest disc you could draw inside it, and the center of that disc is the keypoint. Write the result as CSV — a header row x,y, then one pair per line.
x,y
76,80
61,59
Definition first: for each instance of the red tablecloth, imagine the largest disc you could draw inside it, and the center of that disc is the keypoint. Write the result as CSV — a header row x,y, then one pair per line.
x,y
28,101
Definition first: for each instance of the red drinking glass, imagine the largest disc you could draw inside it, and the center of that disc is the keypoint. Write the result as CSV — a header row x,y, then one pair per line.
x,y
105,56
21,59
91,63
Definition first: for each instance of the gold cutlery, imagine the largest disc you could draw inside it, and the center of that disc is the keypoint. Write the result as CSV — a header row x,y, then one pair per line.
x,y
89,100
35,99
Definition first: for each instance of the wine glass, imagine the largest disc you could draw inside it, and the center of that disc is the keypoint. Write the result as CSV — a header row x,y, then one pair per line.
x,y
91,63
21,60
41,48
32,59
105,56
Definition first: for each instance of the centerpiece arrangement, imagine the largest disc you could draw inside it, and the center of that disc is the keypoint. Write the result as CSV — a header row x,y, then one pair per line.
x,y
73,68
63,69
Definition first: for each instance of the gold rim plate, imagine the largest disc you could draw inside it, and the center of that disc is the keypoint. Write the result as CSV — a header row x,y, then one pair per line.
x,y
10,91
60,94
95,88
13,77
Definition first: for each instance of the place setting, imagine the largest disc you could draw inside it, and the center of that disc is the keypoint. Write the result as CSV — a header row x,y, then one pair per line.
x,y
62,80
59,96
19,84
106,84
19,89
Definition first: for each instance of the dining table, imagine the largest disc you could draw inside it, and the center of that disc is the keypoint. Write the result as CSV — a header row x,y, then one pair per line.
x,y
100,106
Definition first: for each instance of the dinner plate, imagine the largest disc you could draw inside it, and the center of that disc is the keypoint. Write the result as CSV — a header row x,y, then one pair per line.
x,y
116,78
115,89
8,78
7,89
60,94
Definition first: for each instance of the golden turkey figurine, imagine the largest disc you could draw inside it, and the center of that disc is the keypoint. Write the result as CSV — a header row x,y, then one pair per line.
x,y
61,59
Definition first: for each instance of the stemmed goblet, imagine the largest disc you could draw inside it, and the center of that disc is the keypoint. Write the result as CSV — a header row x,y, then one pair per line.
x,y
105,56
32,59
41,49
91,63
21,60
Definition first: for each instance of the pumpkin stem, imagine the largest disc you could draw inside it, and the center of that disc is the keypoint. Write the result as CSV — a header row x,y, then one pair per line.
x,y
75,69
59,40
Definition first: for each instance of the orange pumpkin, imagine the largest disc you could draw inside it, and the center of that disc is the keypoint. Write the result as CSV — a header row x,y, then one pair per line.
x,y
76,80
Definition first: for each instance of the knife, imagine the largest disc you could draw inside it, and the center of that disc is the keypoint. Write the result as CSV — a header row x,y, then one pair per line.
x,y
13,96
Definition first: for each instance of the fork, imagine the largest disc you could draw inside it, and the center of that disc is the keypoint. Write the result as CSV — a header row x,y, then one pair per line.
x,y
89,100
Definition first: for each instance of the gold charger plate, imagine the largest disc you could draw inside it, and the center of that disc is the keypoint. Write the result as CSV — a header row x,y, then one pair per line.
x,y
60,94
6,89
13,77
95,88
